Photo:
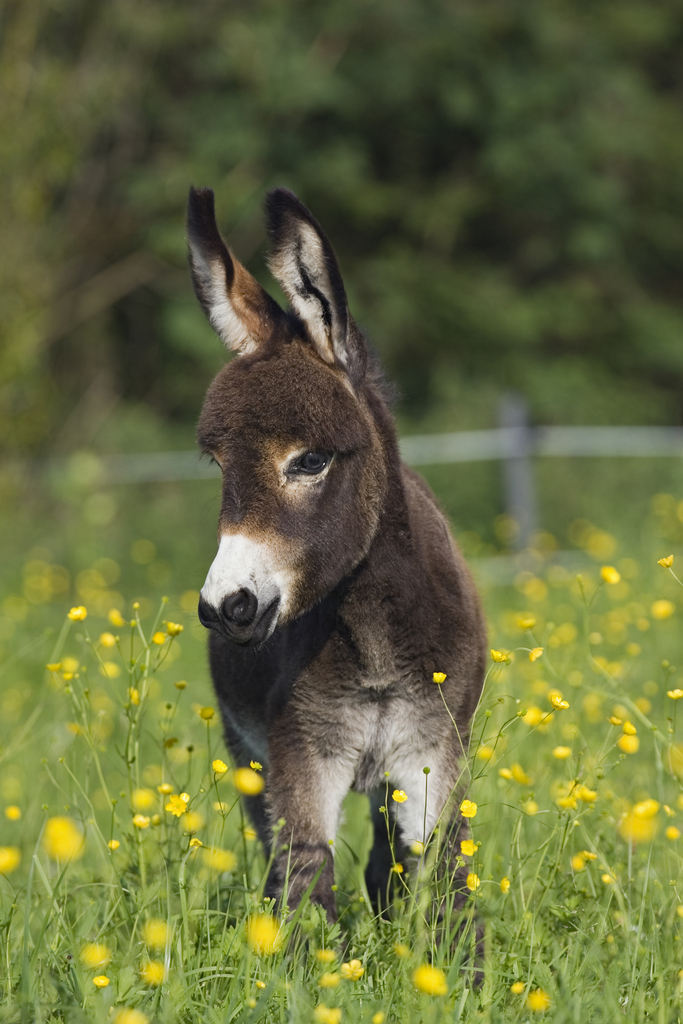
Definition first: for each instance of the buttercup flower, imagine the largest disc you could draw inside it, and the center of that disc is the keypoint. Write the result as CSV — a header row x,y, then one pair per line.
x,y
195,843
263,934
610,574
174,628
327,1014
397,869
399,796
153,972
430,980
467,848
247,781
141,821
517,988
535,653
12,812
628,744
629,728
62,839
134,695
116,618
53,666
101,981
221,860
438,678
562,753
472,881
129,1016
78,614
666,562
662,609
672,833
352,971
468,808
538,1000
325,956
177,804
558,703
95,954
505,884
107,640
155,933
498,656
675,694
165,788
220,767
206,713
526,622
113,844
10,859
159,638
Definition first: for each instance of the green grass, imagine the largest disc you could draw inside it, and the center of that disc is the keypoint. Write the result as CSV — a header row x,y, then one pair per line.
x,y
600,937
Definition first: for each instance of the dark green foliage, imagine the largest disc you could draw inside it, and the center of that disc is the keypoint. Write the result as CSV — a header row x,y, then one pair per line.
x,y
501,180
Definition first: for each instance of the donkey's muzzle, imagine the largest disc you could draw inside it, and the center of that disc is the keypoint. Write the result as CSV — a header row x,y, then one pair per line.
x,y
239,617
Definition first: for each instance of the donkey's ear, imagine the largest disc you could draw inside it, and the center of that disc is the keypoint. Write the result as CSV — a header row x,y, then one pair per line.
x,y
304,263
240,311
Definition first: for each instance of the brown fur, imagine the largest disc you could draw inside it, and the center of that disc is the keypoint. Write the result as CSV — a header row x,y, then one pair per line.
x,y
335,595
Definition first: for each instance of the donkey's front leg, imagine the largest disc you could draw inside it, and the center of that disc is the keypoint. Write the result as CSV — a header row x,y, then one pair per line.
x,y
305,791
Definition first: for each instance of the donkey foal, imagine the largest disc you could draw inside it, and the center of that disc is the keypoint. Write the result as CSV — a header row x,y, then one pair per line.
x,y
337,590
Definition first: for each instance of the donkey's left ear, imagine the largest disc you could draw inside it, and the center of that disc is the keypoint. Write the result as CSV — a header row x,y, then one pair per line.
x,y
303,262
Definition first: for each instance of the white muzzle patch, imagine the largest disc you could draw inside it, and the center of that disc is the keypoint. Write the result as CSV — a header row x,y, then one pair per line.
x,y
243,563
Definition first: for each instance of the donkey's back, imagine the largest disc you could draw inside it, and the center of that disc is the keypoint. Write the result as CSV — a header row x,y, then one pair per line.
x,y
337,591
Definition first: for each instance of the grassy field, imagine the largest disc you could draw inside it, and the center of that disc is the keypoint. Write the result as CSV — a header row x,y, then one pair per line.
x,y
123,900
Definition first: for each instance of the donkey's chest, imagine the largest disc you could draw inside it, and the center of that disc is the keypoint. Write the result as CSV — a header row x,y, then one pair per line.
x,y
375,737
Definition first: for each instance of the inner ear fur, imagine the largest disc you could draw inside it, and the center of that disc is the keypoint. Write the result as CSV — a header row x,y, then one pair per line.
x,y
240,311
304,263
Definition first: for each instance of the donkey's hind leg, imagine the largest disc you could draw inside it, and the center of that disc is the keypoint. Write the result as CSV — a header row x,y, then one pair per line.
x,y
378,873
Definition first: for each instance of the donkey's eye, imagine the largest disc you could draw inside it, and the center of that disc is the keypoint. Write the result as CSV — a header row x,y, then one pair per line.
x,y
311,463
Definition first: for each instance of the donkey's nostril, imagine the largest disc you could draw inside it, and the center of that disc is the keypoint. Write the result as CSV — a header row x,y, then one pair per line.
x,y
208,616
239,609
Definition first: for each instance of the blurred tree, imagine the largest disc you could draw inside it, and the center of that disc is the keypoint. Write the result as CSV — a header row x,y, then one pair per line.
x,y
501,179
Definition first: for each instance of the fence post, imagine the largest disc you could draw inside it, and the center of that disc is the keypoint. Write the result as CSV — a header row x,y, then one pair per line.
x,y
517,465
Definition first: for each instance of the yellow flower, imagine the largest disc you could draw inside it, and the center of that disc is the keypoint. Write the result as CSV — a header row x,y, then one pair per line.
x,y
110,670
558,703
530,807
472,881
95,954
517,988
615,721
260,984
62,839
505,884
165,788
399,796
397,869
505,773
220,861
610,574
467,848
417,848
586,795
256,766
669,812
401,950
107,640
325,956
538,1000
588,855
629,729
174,628
468,808
101,980
672,832
662,609
607,879
113,844
155,933
562,753
666,562
128,1016
220,767
192,821
153,972
378,1018
430,980
263,934
13,813
578,862
485,753
327,1014
116,618
498,656
143,799
134,695
247,781
438,678
675,694
159,638
352,971
177,804
195,843
53,666
646,808
206,713
249,833
10,859
628,744
180,685
639,825
141,821
535,653
77,614
520,776
526,622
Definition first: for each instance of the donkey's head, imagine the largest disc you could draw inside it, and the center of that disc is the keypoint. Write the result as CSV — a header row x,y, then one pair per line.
x,y
288,422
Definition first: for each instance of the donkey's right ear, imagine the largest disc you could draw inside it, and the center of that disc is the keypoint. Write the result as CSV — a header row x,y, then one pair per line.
x,y
240,311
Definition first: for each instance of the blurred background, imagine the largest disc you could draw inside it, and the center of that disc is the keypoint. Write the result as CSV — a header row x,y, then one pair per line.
x,y
501,180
